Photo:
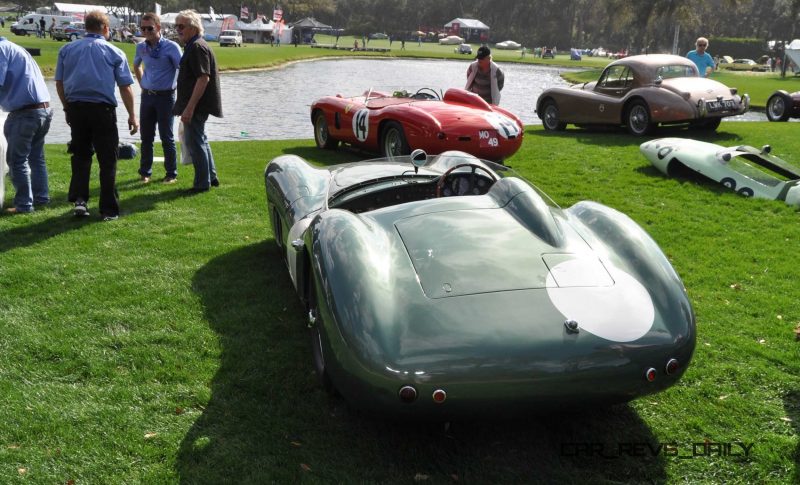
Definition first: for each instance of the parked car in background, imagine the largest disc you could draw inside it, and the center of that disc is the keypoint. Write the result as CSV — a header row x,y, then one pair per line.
x,y
641,92
28,24
451,40
508,45
548,53
744,65
230,38
783,105
69,32
378,35
464,49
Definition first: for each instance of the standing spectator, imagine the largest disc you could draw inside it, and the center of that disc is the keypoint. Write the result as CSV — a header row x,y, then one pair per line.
x,y
160,58
52,27
484,78
86,72
42,25
198,96
701,58
403,43
24,95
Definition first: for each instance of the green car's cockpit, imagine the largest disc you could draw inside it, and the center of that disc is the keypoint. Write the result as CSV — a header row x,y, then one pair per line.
x,y
411,178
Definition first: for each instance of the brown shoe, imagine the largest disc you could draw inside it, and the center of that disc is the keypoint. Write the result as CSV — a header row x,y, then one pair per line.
x,y
169,180
145,179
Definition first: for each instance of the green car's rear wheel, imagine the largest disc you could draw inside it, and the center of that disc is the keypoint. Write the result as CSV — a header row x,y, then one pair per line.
x,y
315,337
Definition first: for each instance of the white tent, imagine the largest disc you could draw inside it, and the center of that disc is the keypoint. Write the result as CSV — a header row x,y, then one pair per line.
x,y
793,51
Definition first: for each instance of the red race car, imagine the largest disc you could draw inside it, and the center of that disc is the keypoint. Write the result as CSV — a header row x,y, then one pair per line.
x,y
395,124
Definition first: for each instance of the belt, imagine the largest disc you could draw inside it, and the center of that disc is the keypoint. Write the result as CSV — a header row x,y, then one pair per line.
x,y
33,106
155,92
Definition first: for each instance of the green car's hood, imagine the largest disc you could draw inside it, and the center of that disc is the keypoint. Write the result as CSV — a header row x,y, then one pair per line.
x,y
451,259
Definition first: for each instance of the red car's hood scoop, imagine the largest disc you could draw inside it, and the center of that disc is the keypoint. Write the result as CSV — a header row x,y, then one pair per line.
x,y
453,258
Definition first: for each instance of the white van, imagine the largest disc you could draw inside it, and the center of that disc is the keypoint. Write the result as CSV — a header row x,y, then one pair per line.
x,y
29,24
230,37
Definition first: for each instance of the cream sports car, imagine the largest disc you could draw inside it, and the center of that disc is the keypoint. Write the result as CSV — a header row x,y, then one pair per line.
x,y
749,171
641,92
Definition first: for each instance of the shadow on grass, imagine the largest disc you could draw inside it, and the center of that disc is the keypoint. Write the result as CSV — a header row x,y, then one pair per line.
x,y
617,136
269,421
343,154
27,235
791,403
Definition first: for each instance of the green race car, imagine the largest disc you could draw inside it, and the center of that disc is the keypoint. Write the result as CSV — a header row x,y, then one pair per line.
x,y
448,286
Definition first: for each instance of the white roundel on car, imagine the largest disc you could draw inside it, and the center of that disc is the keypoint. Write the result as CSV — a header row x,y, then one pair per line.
x,y
622,312
505,126
361,124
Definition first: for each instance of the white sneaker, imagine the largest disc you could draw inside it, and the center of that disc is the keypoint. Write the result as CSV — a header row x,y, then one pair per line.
x,y
80,209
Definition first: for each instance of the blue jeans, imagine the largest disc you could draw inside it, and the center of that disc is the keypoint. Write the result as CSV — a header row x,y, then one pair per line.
x,y
203,160
25,131
156,109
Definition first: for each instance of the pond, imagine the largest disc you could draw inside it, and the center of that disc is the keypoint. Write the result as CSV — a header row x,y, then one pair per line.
x,y
274,104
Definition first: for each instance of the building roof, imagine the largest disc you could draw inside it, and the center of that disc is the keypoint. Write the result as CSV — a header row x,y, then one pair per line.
x,y
467,23
69,8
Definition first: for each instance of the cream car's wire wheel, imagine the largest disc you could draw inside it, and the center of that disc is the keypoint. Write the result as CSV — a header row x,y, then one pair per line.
x,y
638,119
551,118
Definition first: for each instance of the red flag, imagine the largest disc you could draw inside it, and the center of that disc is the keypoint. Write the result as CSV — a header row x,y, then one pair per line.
x,y
244,13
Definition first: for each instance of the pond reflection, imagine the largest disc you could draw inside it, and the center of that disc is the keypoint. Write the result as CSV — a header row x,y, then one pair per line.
x,y
274,104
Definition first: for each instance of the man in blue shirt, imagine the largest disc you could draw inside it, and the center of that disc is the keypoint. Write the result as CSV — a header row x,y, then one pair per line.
x,y
160,58
24,95
87,71
701,58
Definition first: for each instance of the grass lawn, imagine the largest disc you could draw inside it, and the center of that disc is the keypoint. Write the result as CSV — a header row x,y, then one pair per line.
x,y
169,346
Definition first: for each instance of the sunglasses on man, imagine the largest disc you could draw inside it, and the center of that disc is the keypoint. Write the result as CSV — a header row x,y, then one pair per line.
x,y
147,28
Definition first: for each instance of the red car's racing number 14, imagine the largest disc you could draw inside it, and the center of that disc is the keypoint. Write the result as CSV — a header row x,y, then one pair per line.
x,y
361,124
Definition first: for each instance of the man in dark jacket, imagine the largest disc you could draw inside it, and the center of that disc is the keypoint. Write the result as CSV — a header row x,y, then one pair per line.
x,y
198,97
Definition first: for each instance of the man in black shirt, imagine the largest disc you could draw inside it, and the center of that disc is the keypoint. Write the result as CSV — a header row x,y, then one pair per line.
x,y
198,96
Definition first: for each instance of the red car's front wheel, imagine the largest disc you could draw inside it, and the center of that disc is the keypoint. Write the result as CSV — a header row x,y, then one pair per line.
x,y
393,141
321,134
